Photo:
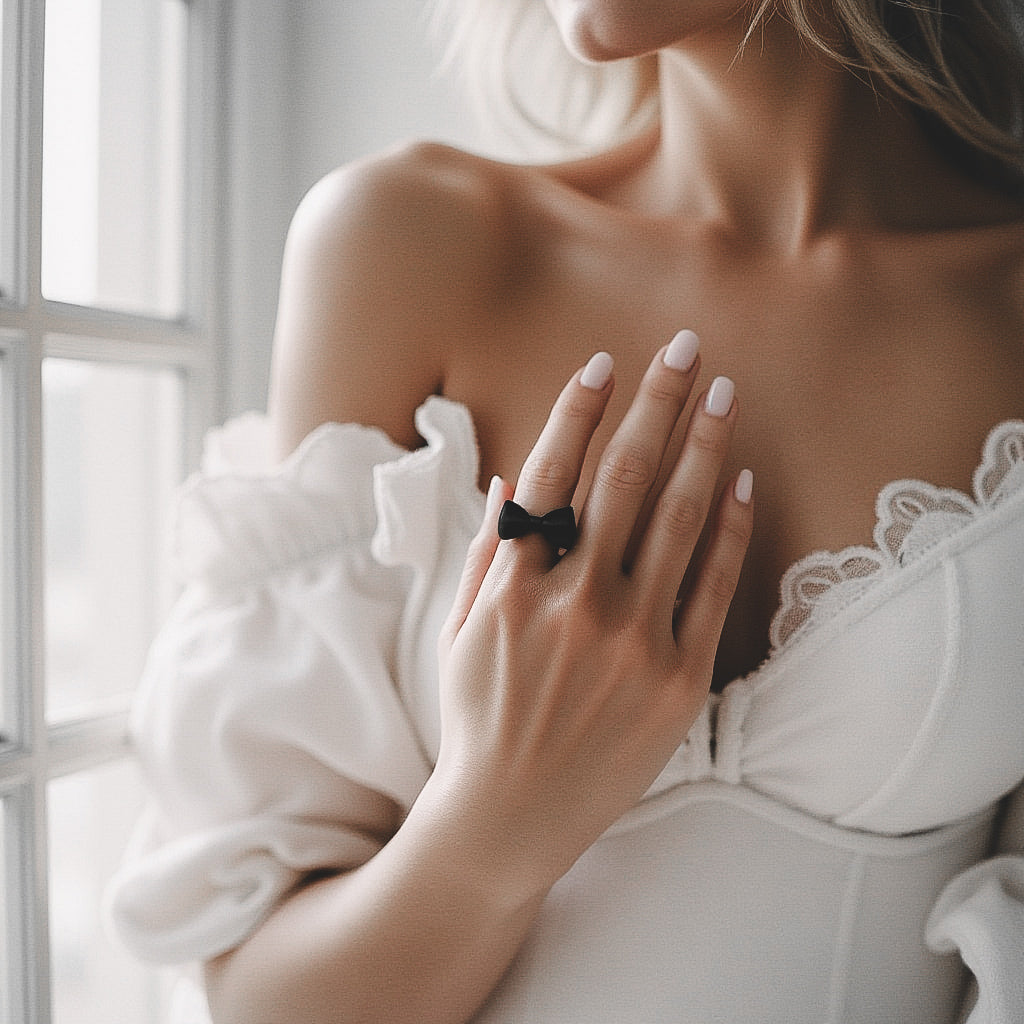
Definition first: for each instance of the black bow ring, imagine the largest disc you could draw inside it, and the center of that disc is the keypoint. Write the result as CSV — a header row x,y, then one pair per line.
x,y
558,528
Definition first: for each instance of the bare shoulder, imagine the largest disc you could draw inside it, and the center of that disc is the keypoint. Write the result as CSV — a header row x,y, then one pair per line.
x,y
406,203
387,260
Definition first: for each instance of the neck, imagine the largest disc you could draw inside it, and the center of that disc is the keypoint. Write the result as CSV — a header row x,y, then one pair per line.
x,y
776,145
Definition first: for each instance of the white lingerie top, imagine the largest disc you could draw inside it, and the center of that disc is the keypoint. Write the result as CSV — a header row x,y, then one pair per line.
x,y
815,852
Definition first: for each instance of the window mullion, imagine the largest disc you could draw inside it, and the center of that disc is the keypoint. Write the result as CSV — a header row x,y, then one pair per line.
x,y
77,746
28,939
67,340
28,801
31,847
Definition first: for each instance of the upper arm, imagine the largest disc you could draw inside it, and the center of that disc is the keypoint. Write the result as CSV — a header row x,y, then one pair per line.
x,y
386,261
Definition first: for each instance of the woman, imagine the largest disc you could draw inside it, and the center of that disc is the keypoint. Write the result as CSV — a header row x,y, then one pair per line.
x,y
554,821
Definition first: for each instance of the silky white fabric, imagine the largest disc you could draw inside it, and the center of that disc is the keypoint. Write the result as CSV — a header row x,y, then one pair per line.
x,y
288,718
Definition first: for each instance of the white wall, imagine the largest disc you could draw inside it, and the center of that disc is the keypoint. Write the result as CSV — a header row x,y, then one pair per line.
x,y
364,75
311,85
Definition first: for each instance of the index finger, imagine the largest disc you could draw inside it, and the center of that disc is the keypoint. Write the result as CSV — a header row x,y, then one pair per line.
x,y
552,469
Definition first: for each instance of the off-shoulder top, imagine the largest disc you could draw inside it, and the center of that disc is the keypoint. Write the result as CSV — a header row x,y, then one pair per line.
x,y
815,851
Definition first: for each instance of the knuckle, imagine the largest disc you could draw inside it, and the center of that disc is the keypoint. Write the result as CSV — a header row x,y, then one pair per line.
x,y
683,514
628,467
514,601
720,585
593,601
577,407
667,388
710,439
735,532
548,471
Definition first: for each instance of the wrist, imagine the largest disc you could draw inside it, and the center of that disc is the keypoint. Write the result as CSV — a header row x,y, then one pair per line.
x,y
476,846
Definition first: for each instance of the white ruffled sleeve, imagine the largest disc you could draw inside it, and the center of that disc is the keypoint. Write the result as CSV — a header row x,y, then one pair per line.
x,y
980,915
283,721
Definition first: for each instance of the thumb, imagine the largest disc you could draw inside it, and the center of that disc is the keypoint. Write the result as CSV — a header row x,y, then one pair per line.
x,y
478,560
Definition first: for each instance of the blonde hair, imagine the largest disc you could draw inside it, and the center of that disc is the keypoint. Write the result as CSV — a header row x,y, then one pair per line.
x,y
958,62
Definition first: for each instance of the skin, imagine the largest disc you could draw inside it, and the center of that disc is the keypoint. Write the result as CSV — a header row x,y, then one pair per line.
x,y
866,298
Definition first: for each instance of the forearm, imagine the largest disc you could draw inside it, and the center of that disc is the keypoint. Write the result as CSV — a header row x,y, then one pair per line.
x,y
417,934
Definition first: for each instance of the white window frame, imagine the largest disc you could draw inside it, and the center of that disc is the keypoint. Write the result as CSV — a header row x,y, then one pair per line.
x,y
37,752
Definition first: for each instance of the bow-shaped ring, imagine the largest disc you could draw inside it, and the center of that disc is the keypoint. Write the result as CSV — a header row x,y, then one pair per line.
x,y
558,528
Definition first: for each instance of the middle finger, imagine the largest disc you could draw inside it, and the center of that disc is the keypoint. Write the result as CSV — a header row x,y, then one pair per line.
x,y
630,464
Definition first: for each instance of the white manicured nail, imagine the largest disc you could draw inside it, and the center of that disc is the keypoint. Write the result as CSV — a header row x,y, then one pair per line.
x,y
720,396
596,373
744,486
681,353
493,496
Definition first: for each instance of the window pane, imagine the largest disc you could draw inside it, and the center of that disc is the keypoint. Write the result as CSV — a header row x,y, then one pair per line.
x,y
113,153
8,133
111,448
94,980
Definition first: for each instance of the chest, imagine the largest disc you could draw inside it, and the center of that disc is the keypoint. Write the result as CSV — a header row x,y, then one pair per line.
x,y
848,376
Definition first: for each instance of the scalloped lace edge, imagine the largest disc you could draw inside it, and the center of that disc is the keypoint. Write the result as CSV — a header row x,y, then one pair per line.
x,y
912,516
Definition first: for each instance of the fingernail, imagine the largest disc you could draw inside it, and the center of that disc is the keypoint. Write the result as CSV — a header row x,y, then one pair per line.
x,y
720,396
744,486
493,495
681,353
596,373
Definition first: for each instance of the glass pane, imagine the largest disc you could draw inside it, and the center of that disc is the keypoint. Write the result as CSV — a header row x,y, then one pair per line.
x,y
8,133
111,443
113,153
94,981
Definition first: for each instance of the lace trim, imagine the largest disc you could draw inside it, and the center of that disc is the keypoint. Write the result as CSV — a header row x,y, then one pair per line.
x,y
912,517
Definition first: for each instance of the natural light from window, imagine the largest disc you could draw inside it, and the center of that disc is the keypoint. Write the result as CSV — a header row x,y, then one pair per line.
x,y
112,154
6,157
105,359
112,458
95,982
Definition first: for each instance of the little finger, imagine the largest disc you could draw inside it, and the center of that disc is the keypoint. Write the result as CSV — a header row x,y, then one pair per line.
x,y
478,560
700,619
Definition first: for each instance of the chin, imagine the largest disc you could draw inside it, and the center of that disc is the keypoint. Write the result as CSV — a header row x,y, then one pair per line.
x,y
602,30
597,31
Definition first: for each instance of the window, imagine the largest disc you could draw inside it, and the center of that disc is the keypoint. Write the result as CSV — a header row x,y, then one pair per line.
x,y
107,179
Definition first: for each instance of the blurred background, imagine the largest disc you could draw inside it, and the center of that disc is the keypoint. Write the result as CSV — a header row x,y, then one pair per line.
x,y
151,155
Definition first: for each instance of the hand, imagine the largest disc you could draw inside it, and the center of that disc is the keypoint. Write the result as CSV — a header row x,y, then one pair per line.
x,y
567,683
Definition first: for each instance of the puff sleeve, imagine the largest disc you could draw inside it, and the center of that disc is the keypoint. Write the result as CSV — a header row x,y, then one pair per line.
x,y
285,722
980,915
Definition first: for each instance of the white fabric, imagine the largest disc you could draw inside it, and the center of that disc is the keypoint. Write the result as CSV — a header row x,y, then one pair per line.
x,y
289,717
981,915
